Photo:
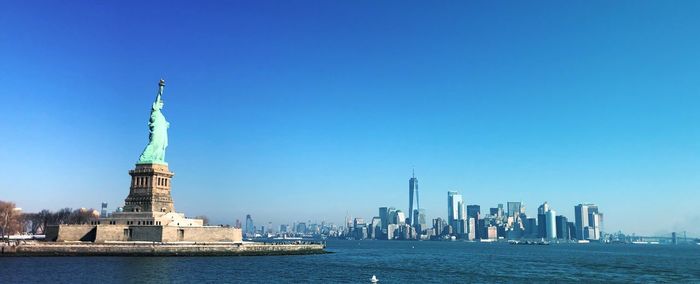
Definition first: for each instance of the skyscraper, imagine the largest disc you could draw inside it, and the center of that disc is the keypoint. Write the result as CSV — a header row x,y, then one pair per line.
x,y
375,229
399,217
438,226
419,222
594,225
473,211
456,212
103,211
249,227
581,218
412,190
588,222
563,228
384,216
595,220
300,228
471,229
551,224
530,227
572,230
542,220
514,208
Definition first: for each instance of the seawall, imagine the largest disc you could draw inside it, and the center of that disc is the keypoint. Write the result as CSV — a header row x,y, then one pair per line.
x,y
158,249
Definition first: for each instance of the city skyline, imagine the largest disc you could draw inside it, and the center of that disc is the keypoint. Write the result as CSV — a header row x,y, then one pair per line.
x,y
458,209
584,105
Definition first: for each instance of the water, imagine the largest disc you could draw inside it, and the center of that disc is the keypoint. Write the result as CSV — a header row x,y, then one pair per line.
x,y
391,261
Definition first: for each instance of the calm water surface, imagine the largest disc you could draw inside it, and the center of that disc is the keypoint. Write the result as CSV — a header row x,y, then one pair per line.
x,y
392,262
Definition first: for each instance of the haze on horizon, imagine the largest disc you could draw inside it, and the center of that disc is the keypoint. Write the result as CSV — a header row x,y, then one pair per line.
x,y
308,110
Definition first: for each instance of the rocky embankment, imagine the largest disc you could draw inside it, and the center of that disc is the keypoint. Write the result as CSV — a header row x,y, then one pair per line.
x,y
157,249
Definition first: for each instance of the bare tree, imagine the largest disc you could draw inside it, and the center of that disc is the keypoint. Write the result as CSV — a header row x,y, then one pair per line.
x,y
43,218
62,216
38,221
10,219
82,216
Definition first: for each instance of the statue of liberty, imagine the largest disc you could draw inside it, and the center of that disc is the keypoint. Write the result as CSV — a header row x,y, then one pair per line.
x,y
158,132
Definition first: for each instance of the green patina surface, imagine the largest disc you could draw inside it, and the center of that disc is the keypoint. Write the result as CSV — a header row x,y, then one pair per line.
x,y
158,132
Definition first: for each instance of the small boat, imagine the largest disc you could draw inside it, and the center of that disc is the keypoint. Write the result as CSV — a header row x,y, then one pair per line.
x,y
374,279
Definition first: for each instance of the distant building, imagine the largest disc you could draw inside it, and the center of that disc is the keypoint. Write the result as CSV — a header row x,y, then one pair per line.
x,y
572,230
588,222
471,230
456,211
360,230
391,231
551,224
674,238
249,226
439,226
358,222
103,211
563,228
531,229
300,228
491,233
594,225
514,209
399,217
542,220
412,191
420,224
385,214
374,231
473,211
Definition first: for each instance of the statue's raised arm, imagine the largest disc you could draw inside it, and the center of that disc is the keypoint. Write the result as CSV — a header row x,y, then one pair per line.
x,y
158,132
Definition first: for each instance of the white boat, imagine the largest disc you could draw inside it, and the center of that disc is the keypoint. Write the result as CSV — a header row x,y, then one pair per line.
x,y
374,279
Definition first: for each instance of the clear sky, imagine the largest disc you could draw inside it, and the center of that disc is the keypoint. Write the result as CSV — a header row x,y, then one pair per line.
x,y
306,110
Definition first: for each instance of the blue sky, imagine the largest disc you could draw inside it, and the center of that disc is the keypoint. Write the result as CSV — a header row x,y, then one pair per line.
x,y
306,110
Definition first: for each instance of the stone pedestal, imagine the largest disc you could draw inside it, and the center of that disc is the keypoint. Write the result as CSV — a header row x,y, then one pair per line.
x,y
150,189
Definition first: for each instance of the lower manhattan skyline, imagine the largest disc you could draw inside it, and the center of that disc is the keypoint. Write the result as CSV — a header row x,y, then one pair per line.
x,y
292,113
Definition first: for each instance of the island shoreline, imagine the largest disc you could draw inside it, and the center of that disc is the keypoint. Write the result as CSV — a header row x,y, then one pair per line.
x,y
157,249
